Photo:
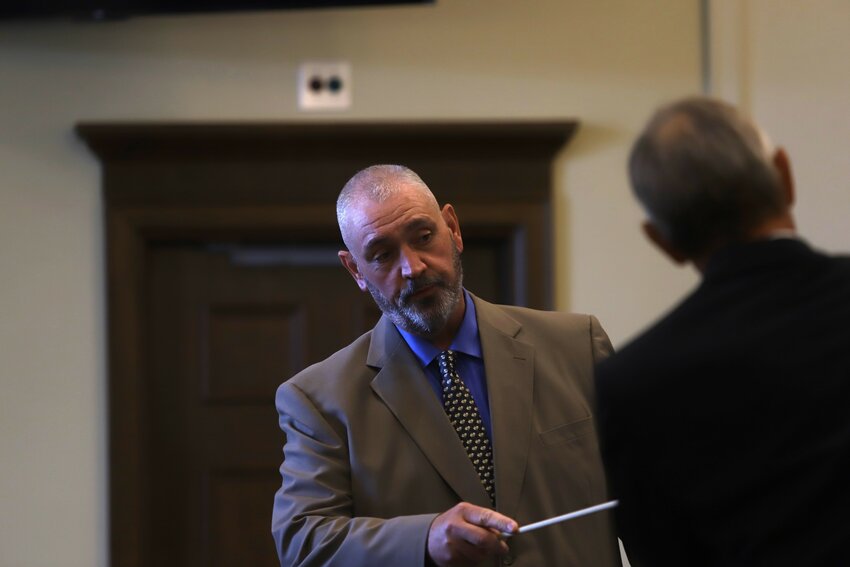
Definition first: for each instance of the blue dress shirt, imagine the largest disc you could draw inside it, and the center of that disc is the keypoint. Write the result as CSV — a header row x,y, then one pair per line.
x,y
468,361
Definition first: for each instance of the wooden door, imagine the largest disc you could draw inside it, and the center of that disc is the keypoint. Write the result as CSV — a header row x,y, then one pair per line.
x,y
227,326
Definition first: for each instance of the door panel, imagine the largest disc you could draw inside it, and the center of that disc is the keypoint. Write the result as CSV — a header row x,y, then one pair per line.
x,y
224,335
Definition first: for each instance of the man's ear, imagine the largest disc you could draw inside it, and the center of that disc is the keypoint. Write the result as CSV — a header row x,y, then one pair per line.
x,y
655,236
450,218
348,261
783,166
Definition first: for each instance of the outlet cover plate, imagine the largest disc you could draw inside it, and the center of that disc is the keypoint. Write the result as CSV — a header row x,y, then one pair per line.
x,y
324,85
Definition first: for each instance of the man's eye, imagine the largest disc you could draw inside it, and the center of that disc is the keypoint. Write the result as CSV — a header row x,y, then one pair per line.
x,y
380,257
425,238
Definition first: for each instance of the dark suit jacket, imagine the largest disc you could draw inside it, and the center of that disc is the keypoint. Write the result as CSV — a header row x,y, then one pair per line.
x,y
726,426
371,458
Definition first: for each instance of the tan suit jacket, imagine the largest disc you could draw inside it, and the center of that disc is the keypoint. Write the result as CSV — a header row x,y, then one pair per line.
x,y
371,458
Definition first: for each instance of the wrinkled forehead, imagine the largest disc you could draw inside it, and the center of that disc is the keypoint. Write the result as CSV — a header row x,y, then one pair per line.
x,y
395,210
371,216
368,204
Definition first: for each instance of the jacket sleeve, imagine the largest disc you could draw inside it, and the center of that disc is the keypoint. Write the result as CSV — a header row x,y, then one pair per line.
x,y
314,522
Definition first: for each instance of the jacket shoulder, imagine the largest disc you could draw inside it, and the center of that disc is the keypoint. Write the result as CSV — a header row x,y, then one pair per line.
x,y
552,328
334,372
561,320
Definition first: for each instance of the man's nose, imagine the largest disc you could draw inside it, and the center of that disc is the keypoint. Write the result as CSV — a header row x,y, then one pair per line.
x,y
411,264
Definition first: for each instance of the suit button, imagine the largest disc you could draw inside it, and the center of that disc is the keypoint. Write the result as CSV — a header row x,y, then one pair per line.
x,y
508,559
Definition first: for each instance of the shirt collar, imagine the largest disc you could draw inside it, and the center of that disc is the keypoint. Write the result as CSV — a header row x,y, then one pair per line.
x,y
465,341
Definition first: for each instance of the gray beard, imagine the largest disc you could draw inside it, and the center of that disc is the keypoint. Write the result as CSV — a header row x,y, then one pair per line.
x,y
430,316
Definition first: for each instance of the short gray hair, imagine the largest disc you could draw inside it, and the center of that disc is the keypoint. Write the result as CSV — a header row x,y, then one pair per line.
x,y
704,174
376,183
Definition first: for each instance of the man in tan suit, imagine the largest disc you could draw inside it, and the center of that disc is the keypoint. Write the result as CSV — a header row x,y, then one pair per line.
x,y
374,471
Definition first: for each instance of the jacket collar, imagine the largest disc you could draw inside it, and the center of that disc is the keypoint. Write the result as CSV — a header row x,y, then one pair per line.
x,y
759,256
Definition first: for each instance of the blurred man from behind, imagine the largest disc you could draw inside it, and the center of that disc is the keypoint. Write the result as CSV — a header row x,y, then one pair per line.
x,y
726,425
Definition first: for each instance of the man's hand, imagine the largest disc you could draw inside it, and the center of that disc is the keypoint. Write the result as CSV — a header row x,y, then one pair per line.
x,y
467,534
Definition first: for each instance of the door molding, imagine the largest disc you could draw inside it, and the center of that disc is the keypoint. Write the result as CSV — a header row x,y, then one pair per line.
x,y
259,182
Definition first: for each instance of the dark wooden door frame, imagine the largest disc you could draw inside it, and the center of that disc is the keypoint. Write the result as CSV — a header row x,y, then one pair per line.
x,y
263,182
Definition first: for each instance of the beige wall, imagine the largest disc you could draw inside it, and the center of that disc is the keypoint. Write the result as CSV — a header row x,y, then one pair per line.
x,y
786,63
605,63
801,92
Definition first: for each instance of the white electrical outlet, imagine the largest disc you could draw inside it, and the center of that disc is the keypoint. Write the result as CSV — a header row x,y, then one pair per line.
x,y
324,85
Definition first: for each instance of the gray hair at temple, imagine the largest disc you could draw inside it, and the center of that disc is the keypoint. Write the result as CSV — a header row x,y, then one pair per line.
x,y
704,174
376,183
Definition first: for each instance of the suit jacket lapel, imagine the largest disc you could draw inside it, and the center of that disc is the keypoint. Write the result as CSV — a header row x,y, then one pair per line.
x,y
403,386
509,365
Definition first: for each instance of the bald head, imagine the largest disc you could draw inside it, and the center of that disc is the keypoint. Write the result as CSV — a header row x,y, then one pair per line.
x,y
705,175
376,183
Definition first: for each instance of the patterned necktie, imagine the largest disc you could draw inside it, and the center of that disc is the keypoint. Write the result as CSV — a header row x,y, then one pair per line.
x,y
463,413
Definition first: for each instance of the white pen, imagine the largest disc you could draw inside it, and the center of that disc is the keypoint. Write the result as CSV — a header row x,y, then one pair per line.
x,y
577,514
